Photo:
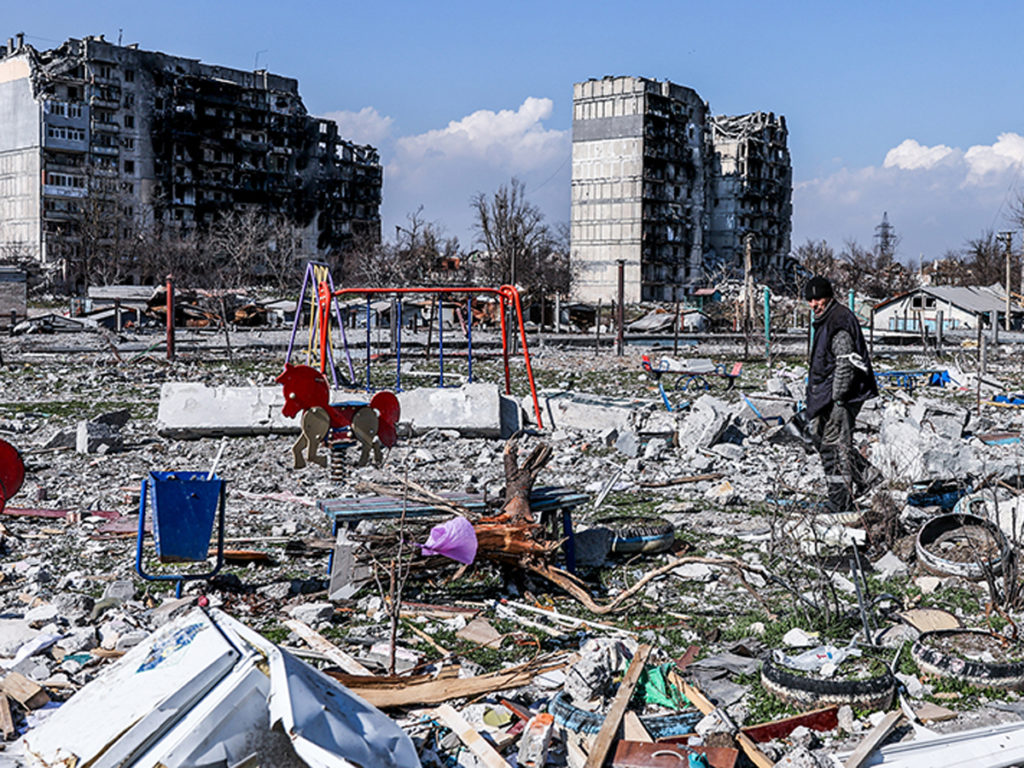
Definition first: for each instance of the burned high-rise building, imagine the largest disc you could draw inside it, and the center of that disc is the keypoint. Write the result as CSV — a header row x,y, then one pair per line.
x,y
669,190
170,142
752,191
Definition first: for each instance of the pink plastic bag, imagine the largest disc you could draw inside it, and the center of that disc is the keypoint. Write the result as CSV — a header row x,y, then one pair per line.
x,y
455,539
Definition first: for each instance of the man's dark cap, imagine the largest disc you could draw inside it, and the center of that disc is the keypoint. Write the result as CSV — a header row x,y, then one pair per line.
x,y
818,288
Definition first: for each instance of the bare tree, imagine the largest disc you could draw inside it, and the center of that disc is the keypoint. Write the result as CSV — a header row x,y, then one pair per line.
x,y
420,254
519,247
984,259
816,257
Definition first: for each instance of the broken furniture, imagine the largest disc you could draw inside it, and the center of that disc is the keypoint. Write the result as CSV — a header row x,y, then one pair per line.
x,y
695,373
344,514
184,507
371,424
12,472
909,379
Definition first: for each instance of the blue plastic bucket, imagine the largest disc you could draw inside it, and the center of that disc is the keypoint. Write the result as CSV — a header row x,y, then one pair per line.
x,y
184,506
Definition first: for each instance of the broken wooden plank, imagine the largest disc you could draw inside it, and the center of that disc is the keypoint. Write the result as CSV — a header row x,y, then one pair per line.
x,y
469,736
318,642
824,719
384,692
633,729
874,739
635,754
610,727
6,719
701,702
26,692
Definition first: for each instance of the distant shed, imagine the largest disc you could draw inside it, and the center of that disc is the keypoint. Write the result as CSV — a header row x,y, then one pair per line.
x,y
963,307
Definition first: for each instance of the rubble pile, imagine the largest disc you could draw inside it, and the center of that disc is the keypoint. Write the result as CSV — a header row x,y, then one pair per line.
x,y
667,582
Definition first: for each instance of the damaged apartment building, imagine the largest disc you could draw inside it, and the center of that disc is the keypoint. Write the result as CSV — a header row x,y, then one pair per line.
x,y
165,140
671,191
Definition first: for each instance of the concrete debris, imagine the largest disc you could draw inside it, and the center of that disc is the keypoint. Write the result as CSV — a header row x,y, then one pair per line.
x,y
705,423
753,566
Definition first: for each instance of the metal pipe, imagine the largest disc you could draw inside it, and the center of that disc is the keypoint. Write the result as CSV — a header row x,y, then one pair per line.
x,y
504,348
323,311
170,317
620,317
767,324
469,337
440,341
367,342
398,345
526,353
344,337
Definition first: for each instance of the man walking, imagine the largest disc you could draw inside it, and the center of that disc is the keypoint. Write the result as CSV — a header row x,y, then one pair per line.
x,y
840,380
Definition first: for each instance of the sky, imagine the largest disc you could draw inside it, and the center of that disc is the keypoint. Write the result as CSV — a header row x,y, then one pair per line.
x,y
912,108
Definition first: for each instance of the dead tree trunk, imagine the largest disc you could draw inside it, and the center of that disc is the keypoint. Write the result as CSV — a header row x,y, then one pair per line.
x,y
519,479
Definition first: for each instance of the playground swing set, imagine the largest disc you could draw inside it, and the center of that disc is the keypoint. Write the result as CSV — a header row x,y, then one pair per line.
x,y
184,506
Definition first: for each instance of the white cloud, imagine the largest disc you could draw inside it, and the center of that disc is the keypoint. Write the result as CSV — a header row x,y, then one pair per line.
x,y
937,197
367,126
911,156
513,139
443,169
987,163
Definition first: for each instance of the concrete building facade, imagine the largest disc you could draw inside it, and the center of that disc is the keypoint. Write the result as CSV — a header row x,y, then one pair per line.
x,y
669,190
92,128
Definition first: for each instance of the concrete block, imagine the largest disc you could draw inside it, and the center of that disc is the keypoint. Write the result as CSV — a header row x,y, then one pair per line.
x,y
190,410
92,437
312,613
474,410
911,451
657,423
705,424
943,418
586,412
629,444
512,417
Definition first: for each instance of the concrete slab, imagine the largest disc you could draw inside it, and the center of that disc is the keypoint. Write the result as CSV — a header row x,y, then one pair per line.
x,y
586,412
474,410
191,410
705,423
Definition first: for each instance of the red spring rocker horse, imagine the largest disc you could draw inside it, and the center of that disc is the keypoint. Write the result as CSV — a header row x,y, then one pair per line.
x,y
12,472
372,424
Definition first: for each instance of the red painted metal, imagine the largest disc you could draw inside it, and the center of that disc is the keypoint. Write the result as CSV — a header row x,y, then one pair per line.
x,y
824,719
12,472
504,293
170,317
387,408
324,306
306,387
